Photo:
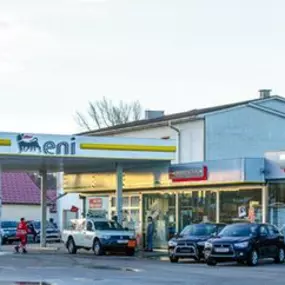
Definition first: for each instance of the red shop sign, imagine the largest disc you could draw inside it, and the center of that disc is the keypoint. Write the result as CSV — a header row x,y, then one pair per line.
x,y
95,203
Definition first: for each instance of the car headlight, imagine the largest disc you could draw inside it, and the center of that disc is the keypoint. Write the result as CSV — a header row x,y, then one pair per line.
x,y
106,237
172,243
208,244
201,243
241,244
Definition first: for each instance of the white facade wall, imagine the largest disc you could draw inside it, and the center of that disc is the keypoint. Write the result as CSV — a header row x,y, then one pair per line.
x,y
16,212
192,138
64,205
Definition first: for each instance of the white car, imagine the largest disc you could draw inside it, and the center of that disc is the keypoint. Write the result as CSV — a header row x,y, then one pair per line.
x,y
100,235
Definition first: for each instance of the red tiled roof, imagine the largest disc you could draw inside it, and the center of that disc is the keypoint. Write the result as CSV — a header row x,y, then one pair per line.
x,y
19,188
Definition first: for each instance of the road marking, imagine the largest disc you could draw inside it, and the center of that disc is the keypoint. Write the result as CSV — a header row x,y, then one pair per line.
x,y
8,268
5,253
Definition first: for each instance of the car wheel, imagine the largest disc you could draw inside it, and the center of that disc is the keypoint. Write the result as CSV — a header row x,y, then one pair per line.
x,y
280,258
71,247
253,258
130,252
97,248
173,259
211,262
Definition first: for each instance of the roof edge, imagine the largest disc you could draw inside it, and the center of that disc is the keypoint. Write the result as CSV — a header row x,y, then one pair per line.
x,y
142,127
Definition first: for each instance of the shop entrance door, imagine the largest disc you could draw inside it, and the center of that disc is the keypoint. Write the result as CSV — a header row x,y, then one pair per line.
x,y
161,207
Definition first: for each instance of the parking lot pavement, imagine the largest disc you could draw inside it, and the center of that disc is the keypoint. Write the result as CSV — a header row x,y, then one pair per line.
x,y
62,268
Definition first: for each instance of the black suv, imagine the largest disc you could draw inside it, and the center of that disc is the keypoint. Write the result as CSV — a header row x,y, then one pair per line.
x,y
246,243
190,242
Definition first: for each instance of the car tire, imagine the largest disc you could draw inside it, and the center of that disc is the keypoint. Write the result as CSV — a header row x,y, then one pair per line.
x,y
97,248
280,258
211,262
71,247
253,258
130,252
173,259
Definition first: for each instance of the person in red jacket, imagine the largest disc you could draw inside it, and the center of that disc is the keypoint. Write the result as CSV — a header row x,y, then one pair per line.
x,y
22,232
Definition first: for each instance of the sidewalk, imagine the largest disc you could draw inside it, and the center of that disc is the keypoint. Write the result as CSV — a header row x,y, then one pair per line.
x,y
59,248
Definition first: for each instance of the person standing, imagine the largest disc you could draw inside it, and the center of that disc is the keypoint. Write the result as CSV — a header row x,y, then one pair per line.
x,y
149,234
22,232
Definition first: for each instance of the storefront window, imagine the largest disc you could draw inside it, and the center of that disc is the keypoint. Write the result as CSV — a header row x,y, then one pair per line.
x,y
196,207
161,207
276,204
240,205
131,212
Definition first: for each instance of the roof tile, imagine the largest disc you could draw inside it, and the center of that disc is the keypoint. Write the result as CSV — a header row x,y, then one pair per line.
x,y
19,188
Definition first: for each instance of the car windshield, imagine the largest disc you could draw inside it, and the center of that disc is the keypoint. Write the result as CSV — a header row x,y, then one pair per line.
x,y
8,224
107,225
199,230
238,230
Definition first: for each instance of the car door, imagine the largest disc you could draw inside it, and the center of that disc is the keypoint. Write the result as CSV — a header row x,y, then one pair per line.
x,y
264,242
274,236
89,234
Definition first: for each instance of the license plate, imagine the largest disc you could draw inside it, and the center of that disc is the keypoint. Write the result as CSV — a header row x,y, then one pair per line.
x,y
186,250
222,249
122,241
132,243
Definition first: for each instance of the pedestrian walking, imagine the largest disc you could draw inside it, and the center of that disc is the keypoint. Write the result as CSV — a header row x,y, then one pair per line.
x,y
22,232
149,234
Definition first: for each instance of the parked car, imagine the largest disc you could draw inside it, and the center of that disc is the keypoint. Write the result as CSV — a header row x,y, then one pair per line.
x,y
246,243
191,241
100,235
282,230
8,232
52,233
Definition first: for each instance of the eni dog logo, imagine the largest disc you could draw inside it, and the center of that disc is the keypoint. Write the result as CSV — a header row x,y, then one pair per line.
x,y
30,144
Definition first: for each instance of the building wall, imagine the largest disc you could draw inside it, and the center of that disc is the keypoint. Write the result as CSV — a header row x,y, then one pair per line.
x,y
243,132
192,138
16,212
64,205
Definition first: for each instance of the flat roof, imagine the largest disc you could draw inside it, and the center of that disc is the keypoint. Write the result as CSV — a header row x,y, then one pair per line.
x,y
80,154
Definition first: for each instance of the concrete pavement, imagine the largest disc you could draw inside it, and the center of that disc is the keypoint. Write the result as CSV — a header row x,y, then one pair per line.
x,y
62,268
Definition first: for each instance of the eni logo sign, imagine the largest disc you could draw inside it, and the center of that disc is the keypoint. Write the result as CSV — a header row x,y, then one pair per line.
x,y
30,143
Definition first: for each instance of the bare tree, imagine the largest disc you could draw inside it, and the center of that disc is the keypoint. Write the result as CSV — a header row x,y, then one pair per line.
x,y
104,113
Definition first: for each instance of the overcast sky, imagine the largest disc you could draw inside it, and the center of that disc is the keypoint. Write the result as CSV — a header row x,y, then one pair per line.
x,y
173,55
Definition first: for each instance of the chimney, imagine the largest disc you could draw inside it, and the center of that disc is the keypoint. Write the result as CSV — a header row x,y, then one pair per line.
x,y
150,114
264,93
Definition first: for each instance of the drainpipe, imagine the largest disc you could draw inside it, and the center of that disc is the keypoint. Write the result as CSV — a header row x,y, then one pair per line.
x,y
178,157
178,160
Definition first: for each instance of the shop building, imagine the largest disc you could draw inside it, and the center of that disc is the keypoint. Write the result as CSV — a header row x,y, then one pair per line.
x,y
221,157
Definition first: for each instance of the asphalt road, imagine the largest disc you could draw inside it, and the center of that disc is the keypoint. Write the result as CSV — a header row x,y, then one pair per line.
x,y
81,269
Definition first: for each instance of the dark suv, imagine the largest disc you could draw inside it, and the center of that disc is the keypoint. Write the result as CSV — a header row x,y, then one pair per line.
x,y
190,242
246,243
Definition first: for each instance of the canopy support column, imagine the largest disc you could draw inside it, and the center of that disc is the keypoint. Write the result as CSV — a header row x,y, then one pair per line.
x,y
119,192
44,186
